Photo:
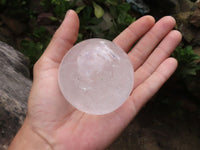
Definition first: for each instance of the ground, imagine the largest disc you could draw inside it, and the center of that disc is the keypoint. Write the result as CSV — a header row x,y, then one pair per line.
x,y
161,127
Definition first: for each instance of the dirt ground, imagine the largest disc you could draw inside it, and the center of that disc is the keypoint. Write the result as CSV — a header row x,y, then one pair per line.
x,y
172,123
161,128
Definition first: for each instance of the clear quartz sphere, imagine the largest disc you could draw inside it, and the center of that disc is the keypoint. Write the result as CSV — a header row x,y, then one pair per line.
x,y
96,76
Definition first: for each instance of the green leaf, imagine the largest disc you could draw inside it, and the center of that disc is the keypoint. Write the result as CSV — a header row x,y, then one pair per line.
x,y
53,18
78,10
3,2
80,37
111,2
95,21
187,60
113,11
125,7
125,18
39,32
32,49
24,3
98,10
190,71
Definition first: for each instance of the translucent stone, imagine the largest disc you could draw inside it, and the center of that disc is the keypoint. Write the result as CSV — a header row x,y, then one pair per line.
x,y
96,76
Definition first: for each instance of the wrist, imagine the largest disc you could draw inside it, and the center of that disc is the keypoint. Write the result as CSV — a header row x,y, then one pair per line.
x,y
27,139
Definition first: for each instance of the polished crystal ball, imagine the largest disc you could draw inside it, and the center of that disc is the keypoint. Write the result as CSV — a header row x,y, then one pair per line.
x,y
96,76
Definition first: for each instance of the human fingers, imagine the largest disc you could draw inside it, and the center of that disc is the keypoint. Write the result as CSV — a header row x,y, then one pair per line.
x,y
134,32
145,46
150,86
163,50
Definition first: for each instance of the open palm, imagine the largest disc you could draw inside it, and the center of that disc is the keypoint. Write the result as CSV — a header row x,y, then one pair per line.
x,y
64,127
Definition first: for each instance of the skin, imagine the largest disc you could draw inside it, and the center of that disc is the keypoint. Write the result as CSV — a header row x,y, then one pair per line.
x,y
52,123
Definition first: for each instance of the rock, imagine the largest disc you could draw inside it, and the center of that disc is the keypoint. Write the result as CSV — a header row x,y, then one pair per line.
x,y
139,6
14,90
183,16
198,3
195,18
186,5
169,7
186,13
188,32
196,40
187,23
164,5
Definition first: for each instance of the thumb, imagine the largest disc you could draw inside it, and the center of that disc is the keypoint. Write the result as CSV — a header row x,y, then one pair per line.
x,y
62,41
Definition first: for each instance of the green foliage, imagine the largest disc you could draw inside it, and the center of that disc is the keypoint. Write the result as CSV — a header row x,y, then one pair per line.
x,y
92,16
34,47
98,10
58,7
187,61
103,19
98,18
121,18
2,2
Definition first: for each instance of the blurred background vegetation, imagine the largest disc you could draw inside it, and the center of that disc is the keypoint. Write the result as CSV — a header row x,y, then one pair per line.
x,y
28,25
38,20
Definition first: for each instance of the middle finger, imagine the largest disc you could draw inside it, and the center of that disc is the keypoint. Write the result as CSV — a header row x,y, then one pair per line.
x,y
145,46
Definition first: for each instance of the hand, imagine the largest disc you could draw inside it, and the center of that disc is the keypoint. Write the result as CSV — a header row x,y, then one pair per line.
x,y
52,123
